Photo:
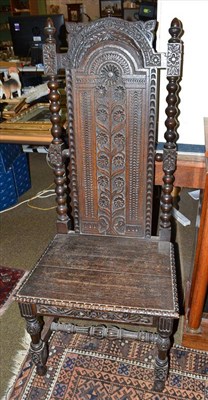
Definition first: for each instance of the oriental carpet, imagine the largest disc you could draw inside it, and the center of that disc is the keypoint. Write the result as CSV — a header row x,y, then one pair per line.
x,y
10,280
83,368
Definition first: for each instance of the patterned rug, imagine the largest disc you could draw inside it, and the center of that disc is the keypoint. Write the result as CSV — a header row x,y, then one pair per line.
x,y
10,280
82,368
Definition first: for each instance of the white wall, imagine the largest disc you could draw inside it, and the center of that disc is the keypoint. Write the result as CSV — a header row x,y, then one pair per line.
x,y
194,85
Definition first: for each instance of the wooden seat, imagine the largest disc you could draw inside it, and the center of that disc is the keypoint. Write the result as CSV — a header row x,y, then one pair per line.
x,y
98,266
104,264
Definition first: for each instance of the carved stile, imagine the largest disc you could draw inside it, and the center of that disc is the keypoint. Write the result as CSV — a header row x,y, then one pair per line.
x,y
174,60
56,149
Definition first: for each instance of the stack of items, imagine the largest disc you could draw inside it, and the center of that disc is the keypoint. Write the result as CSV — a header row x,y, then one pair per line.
x,y
14,174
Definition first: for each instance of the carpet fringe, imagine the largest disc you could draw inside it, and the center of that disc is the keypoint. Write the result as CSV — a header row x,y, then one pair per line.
x,y
17,364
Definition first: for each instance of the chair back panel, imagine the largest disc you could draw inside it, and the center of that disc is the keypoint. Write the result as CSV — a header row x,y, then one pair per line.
x,y
114,98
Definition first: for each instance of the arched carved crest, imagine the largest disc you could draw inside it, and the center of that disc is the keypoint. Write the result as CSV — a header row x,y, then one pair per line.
x,y
82,37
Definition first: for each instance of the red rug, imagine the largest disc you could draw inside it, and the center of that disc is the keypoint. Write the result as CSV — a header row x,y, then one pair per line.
x,y
82,368
9,282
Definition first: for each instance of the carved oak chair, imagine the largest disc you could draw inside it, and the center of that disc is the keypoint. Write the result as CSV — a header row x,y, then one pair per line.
x,y
104,264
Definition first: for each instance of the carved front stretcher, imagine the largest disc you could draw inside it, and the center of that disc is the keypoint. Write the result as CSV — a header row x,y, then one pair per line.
x,y
109,267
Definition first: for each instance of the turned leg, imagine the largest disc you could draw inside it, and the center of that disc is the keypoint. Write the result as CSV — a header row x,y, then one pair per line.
x,y
38,348
165,326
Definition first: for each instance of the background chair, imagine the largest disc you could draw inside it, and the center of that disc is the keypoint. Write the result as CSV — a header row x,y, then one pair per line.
x,y
104,264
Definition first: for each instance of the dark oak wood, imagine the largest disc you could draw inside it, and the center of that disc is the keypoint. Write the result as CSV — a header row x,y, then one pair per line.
x,y
95,264
108,266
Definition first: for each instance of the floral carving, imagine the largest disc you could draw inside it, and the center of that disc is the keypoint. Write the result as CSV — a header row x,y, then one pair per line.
x,y
118,114
119,202
104,201
110,142
109,74
154,59
102,114
103,181
118,161
119,139
101,91
102,137
103,161
118,183
174,59
119,93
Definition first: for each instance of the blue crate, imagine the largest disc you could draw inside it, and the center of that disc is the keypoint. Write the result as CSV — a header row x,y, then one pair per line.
x,y
14,174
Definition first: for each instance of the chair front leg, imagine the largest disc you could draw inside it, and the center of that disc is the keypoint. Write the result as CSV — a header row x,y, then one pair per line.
x,y
165,328
38,348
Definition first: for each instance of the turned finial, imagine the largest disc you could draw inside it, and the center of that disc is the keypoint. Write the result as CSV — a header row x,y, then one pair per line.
x,y
175,30
50,31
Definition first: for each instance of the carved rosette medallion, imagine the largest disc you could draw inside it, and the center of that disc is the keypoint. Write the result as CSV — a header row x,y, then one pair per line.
x,y
174,59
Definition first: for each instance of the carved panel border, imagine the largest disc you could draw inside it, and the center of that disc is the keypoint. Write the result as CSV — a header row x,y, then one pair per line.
x,y
121,317
100,307
72,164
86,121
135,105
151,147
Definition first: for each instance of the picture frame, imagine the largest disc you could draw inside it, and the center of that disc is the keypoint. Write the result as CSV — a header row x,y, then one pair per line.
x,y
11,107
115,5
74,12
35,118
131,14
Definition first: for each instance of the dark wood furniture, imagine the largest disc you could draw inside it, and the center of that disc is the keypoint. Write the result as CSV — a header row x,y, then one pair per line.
x,y
104,264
